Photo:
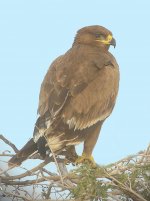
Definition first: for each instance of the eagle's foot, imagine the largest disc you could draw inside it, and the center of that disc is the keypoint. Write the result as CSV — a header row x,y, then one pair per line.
x,y
71,155
85,158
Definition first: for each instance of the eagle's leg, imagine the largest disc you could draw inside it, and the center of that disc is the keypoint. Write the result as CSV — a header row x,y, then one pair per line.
x,y
89,145
71,154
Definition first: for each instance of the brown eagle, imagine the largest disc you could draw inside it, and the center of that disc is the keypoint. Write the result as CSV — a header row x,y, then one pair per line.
x,y
77,94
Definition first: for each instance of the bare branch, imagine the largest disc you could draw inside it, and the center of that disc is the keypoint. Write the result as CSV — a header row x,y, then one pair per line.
x,y
9,143
45,184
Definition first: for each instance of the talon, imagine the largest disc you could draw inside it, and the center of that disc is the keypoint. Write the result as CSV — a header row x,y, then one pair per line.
x,y
66,161
71,154
85,158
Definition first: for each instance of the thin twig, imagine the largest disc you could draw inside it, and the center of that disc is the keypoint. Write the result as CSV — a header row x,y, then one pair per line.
x,y
9,143
53,154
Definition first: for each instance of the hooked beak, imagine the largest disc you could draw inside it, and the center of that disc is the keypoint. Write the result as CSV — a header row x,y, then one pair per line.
x,y
113,42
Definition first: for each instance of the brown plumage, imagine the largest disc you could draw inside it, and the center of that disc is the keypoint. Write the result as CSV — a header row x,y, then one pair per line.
x,y
77,94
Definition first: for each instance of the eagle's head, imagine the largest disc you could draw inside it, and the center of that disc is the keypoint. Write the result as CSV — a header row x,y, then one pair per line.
x,y
95,36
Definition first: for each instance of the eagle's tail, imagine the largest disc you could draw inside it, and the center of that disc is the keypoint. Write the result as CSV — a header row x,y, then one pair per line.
x,y
29,148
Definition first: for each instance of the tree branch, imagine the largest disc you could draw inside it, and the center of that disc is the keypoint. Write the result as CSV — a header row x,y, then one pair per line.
x,y
126,177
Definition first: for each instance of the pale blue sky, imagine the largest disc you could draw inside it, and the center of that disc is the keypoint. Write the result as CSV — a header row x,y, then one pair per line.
x,y
33,33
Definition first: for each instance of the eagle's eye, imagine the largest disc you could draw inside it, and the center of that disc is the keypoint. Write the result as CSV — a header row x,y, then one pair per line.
x,y
100,36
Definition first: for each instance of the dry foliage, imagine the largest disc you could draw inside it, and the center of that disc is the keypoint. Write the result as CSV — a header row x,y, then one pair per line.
x,y
127,179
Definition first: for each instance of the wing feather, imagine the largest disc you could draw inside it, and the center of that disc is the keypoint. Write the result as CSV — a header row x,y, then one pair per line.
x,y
81,91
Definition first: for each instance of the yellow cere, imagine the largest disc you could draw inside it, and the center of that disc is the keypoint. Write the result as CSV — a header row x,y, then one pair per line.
x,y
108,40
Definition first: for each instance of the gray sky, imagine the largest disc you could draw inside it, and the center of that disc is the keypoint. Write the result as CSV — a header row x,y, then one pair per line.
x,y
33,33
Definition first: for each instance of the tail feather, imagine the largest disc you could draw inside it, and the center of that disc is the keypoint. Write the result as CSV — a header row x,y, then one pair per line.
x,y
29,148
